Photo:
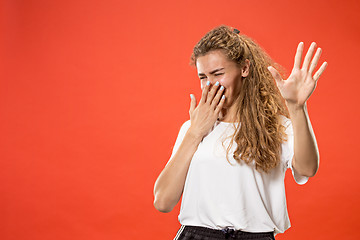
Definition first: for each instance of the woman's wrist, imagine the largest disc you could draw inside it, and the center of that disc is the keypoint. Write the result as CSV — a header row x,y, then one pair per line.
x,y
195,134
295,110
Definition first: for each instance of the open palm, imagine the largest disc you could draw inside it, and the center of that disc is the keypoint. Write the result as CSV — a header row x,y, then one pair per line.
x,y
301,83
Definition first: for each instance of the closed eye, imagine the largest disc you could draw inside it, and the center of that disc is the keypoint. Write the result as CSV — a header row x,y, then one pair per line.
x,y
214,74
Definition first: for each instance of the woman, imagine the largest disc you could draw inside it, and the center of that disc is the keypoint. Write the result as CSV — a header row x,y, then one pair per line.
x,y
230,158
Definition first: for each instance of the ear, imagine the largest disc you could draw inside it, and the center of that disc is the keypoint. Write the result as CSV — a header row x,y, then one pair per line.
x,y
245,68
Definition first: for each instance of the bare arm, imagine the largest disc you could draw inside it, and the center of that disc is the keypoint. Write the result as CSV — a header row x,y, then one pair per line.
x,y
296,90
170,184
306,153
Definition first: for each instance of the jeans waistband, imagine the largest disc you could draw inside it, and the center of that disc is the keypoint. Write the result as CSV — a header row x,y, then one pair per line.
x,y
227,232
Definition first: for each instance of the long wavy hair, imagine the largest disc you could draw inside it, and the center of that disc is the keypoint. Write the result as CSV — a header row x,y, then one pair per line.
x,y
259,103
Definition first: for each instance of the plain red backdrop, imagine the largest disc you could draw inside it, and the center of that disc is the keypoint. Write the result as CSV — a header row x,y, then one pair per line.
x,y
93,94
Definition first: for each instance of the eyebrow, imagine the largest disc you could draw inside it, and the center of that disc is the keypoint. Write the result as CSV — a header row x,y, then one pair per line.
x,y
212,71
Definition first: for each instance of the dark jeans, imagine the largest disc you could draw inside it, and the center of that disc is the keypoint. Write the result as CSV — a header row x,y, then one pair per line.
x,y
203,233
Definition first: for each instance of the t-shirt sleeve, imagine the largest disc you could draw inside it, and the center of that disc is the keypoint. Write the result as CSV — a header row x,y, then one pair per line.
x,y
288,152
180,137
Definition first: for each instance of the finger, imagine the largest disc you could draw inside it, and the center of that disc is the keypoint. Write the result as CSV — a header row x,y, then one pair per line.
x,y
217,97
276,75
192,103
308,56
298,55
315,60
205,92
320,71
220,105
212,92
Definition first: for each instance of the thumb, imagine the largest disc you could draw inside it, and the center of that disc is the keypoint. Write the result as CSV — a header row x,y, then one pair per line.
x,y
192,103
276,75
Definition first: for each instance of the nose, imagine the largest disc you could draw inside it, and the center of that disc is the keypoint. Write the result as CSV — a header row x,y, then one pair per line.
x,y
212,80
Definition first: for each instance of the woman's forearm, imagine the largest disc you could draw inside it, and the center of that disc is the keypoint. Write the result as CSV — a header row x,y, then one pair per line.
x,y
170,183
306,153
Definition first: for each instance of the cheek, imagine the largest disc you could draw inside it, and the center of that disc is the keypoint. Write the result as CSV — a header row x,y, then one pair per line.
x,y
225,83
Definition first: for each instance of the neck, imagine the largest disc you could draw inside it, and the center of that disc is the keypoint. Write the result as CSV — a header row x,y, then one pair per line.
x,y
228,114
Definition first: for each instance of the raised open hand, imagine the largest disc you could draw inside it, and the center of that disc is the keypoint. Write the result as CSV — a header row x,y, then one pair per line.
x,y
301,82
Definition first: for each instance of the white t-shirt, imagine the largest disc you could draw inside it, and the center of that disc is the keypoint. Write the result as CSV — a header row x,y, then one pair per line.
x,y
218,195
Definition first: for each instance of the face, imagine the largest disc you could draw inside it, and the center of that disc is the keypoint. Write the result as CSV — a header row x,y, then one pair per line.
x,y
215,66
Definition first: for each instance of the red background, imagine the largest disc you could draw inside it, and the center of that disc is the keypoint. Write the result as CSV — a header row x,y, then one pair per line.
x,y
93,94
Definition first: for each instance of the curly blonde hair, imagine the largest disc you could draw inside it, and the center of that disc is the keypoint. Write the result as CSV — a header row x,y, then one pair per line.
x,y
259,104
